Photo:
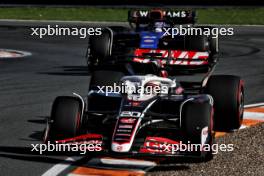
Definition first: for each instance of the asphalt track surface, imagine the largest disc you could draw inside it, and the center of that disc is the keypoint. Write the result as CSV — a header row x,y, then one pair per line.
x,y
57,67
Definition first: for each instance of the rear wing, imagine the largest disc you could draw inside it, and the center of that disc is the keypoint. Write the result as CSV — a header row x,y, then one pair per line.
x,y
173,16
175,62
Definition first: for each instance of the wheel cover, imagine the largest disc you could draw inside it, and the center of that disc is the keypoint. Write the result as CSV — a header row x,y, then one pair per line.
x,y
241,105
46,133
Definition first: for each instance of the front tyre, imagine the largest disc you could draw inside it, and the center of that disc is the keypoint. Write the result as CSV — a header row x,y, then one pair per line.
x,y
197,123
65,120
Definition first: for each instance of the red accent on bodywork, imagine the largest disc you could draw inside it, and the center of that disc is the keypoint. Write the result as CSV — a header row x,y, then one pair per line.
x,y
85,137
179,90
178,57
164,74
161,140
135,103
128,120
157,11
156,145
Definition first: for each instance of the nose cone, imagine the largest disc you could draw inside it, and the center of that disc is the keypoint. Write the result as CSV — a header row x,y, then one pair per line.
x,y
124,133
121,147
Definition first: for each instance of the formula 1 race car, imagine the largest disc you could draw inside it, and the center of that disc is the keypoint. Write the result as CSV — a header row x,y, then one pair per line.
x,y
152,33
145,121
149,118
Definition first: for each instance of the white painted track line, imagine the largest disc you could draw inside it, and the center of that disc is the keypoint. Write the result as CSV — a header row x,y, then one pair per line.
x,y
254,115
254,105
58,168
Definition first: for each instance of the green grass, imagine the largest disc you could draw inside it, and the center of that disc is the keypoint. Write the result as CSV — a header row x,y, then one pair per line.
x,y
79,14
210,16
231,16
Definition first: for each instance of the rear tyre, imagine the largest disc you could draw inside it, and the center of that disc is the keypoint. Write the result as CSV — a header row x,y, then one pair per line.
x,y
214,48
228,94
197,43
65,118
99,47
213,39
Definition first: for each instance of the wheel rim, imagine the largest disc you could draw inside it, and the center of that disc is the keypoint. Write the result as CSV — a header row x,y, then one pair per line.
x,y
78,123
46,133
241,106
